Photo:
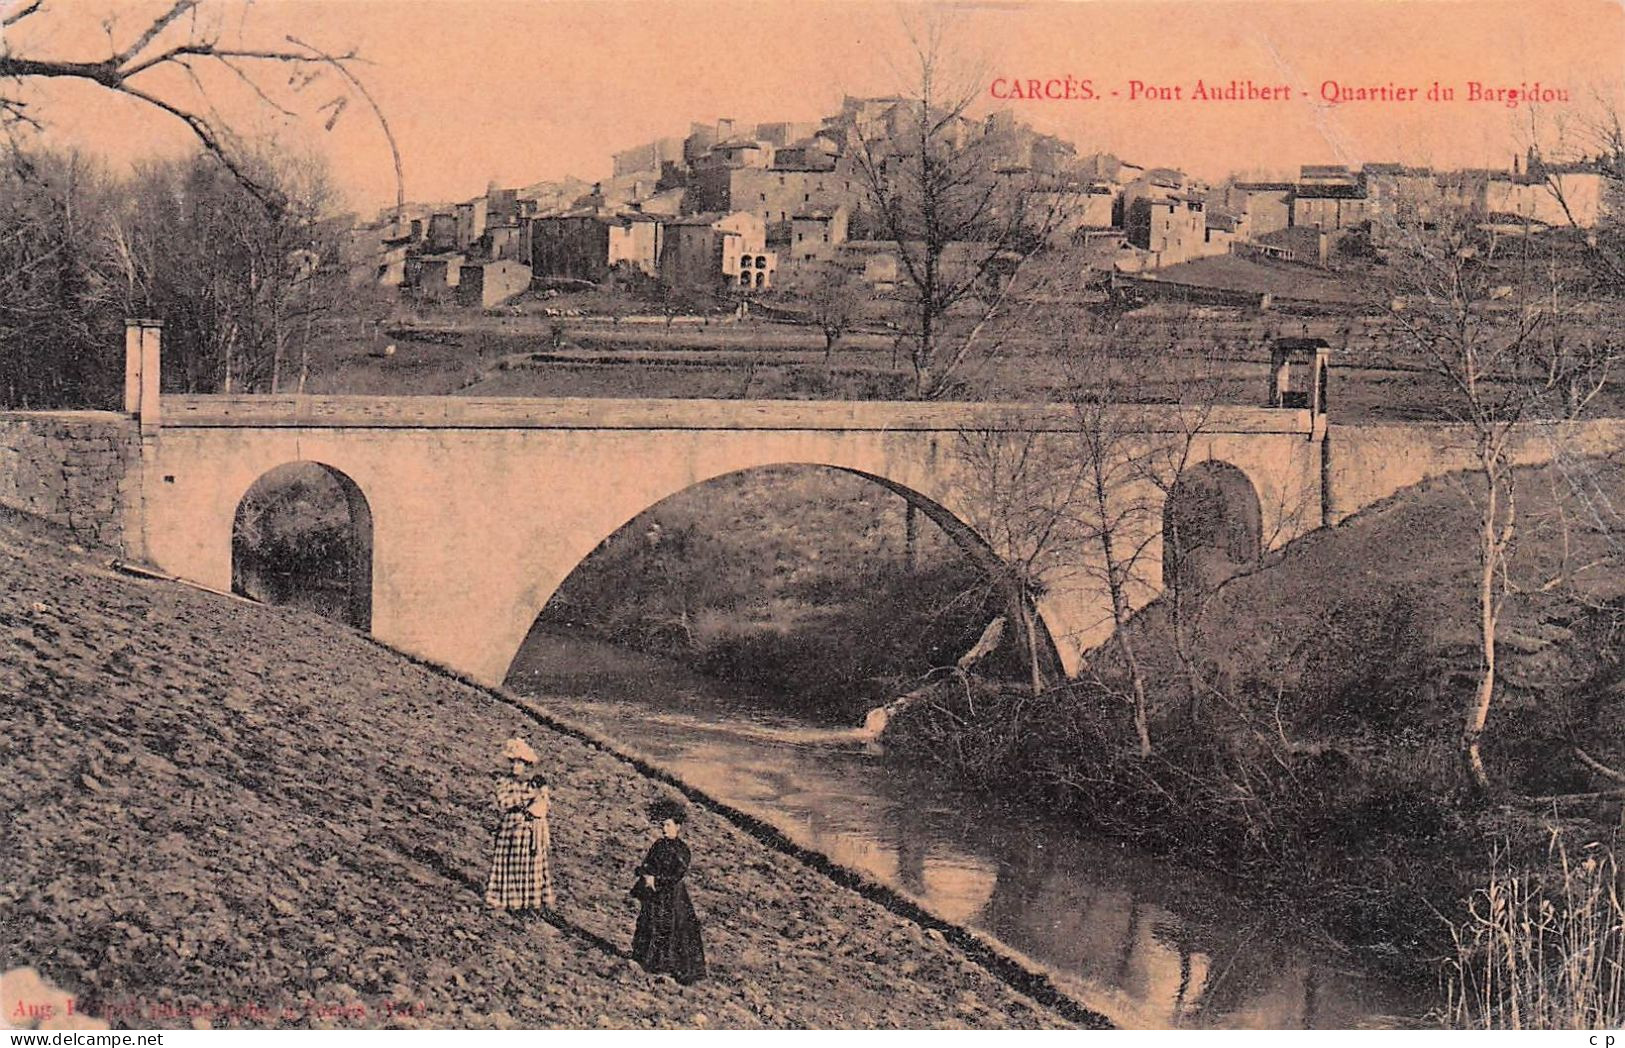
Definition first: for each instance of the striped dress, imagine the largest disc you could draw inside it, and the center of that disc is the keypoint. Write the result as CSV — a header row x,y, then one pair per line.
x,y
520,877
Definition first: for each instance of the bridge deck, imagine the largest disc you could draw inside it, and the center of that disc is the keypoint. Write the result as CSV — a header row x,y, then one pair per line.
x,y
324,412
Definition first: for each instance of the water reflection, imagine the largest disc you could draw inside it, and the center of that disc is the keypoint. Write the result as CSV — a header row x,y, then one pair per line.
x,y
1141,940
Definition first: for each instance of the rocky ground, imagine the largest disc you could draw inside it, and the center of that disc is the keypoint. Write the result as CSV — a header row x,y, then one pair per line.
x,y
225,814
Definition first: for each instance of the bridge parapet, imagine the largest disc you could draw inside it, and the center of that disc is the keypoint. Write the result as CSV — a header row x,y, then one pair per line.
x,y
260,411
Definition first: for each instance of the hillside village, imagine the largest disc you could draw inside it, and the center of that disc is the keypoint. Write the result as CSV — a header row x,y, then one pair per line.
x,y
744,209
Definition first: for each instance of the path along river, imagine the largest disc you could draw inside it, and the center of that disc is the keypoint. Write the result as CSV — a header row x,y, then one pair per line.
x,y
1139,939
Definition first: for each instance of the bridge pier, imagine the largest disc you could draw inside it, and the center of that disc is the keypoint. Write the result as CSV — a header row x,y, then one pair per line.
x,y
143,403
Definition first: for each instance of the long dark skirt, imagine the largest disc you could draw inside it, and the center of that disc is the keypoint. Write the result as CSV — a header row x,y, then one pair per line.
x,y
667,936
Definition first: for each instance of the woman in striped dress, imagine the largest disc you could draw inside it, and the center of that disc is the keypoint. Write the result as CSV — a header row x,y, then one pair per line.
x,y
520,876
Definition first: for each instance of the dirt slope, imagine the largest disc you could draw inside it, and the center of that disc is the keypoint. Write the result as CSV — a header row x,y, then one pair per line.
x,y
1369,630
248,816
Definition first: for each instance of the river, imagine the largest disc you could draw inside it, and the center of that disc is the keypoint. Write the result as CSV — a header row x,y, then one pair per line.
x,y
1137,938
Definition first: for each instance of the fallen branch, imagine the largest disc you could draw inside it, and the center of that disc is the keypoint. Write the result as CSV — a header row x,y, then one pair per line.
x,y
1560,798
1596,766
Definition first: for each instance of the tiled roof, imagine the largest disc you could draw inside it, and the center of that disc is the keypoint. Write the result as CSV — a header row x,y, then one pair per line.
x,y
704,218
1394,169
1331,192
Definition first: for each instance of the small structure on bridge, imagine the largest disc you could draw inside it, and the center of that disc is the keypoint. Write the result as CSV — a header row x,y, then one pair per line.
x,y
1298,373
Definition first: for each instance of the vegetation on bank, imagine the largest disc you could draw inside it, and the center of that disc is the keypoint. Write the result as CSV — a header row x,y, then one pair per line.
x,y
1306,716
1542,951
292,537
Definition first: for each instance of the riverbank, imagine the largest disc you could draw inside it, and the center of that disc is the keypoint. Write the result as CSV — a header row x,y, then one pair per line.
x,y
249,816
1143,939
1307,739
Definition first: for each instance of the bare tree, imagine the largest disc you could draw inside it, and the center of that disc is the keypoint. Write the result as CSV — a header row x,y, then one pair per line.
x,y
1178,394
834,297
1022,494
1079,497
1598,137
1141,416
54,288
964,221
240,287
186,43
1120,520
1493,317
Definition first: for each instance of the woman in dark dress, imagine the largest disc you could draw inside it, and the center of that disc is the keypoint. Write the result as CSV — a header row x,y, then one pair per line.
x,y
667,937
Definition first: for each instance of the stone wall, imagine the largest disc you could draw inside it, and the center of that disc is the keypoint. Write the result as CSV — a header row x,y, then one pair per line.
x,y
78,469
1365,464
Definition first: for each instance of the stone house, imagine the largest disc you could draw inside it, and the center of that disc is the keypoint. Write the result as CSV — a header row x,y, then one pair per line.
x,y
1329,205
776,194
814,235
434,277
1387,186
488,284
1172,229
1266,205
441,235
649,156
471,222
1554,195
711,251
574,246
587,246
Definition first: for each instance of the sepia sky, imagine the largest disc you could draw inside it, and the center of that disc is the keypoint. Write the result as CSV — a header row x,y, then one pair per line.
x,y
477,90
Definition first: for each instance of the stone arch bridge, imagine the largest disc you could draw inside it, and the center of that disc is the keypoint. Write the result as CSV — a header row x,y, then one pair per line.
x,y
473,511
470,512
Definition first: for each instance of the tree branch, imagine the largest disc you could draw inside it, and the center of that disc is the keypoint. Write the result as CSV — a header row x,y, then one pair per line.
x,y
158,25
20,14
